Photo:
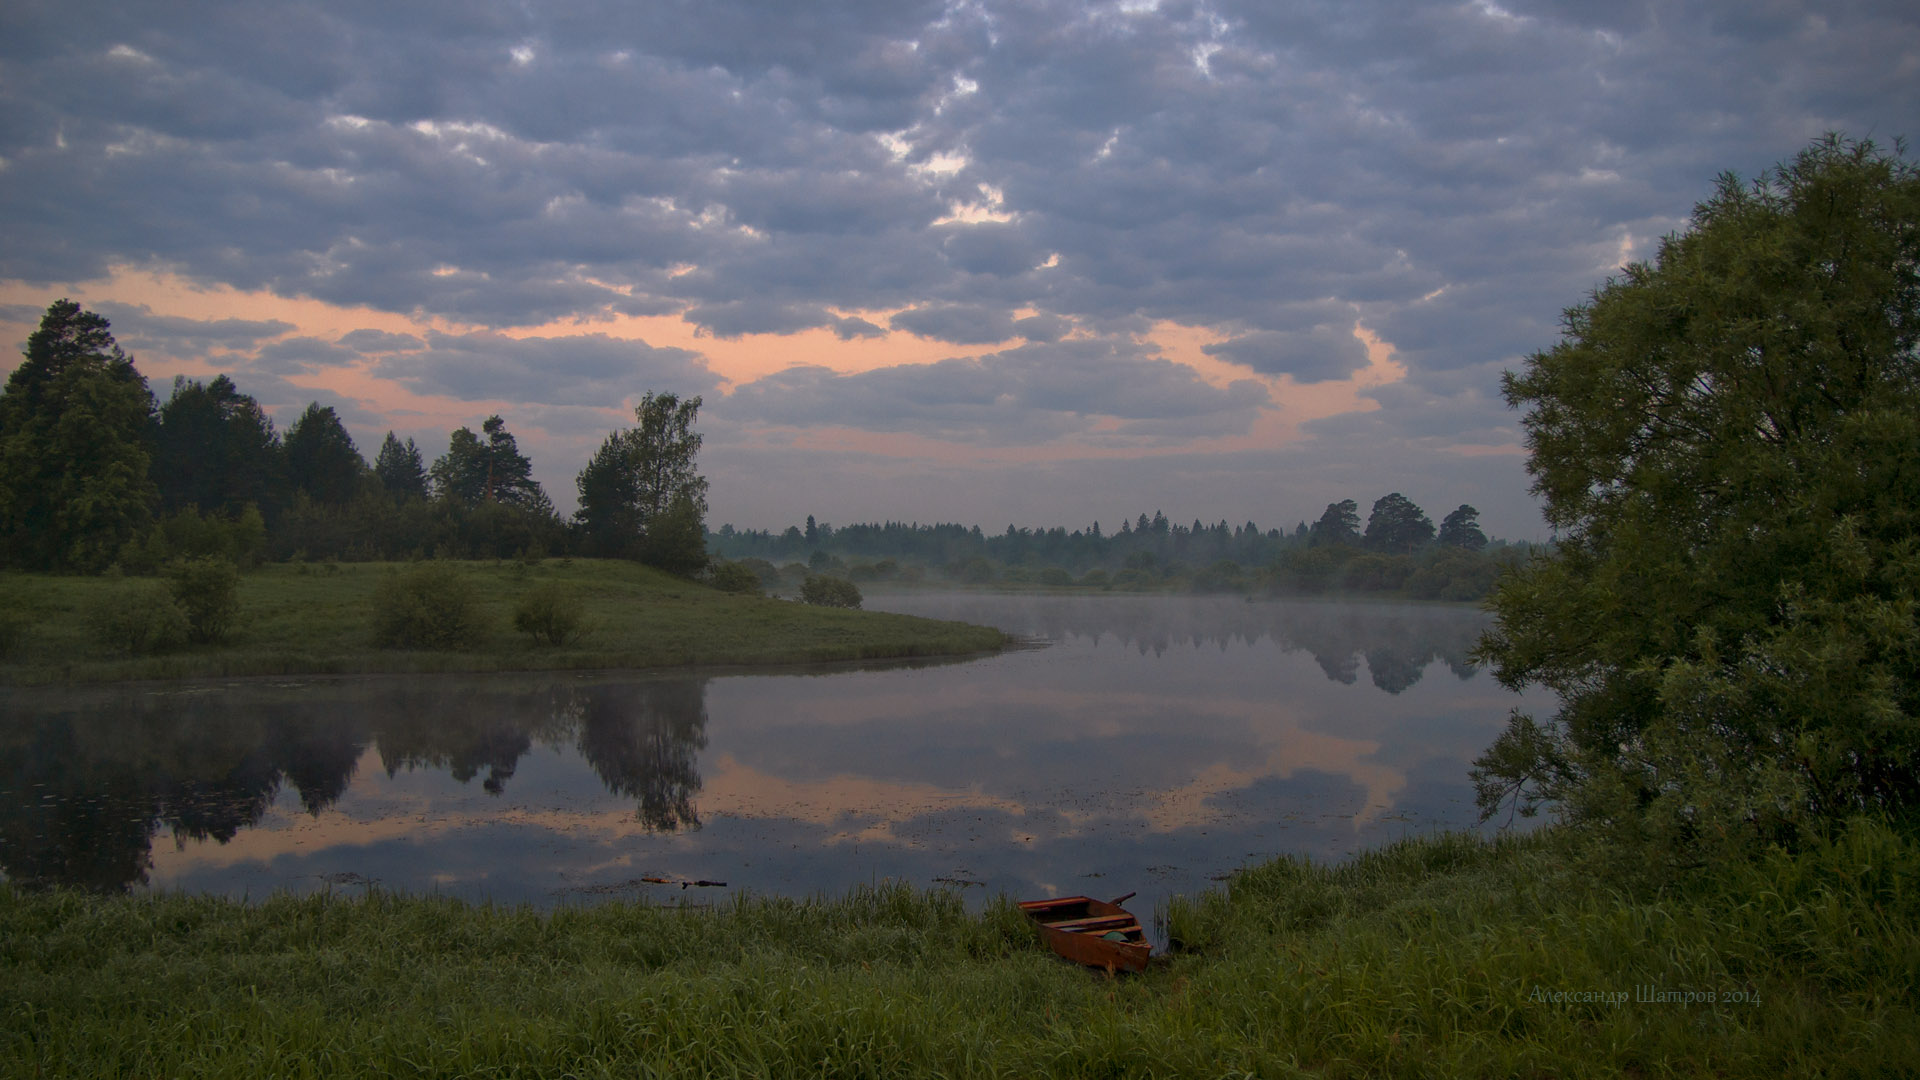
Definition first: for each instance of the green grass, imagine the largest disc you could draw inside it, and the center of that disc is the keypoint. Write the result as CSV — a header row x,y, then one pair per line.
x,y
1419,959
318,619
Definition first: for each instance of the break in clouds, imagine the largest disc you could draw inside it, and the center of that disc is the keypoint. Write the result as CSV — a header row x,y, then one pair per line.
x,y
1047,180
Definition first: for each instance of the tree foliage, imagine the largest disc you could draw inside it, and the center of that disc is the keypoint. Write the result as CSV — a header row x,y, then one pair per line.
x,y
1728,442
478,470
322,462
1396,524
641,481
76,436
400,470
1340,524
829,591
1461,529
216,451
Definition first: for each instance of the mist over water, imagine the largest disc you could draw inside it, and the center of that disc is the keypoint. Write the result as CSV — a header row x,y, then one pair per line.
x,y
1154,744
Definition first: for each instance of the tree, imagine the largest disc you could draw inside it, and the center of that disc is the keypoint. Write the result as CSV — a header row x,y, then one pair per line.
x,y
1728,444
676,541
76,436
1461,529
322,462
638,475
1397,525
400,470
216,450
1340,524
476,470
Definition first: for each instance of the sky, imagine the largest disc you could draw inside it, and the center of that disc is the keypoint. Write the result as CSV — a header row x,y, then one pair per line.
x,y
1036,263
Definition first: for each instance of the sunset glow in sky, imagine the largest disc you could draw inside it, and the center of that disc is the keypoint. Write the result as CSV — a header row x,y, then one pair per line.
x,y
989,262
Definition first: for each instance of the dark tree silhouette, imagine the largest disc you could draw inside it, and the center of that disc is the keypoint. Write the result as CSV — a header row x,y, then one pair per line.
x,y
76,436
322,462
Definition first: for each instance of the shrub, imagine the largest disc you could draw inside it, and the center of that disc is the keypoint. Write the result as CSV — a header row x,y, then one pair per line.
x,y
208,591
733,577
137,618
1055,577
1223,576
830,592
1095,579
429,605
974,571
768,573
552,613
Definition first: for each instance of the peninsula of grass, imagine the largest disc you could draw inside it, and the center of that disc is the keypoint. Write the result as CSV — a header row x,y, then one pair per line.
x,y
1443,956
310,619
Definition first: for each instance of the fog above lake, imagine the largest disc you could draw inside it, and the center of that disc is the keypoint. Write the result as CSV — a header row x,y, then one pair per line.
x,y
1154,743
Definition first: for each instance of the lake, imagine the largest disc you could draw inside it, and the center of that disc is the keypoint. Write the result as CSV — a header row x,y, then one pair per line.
x,y
1152,744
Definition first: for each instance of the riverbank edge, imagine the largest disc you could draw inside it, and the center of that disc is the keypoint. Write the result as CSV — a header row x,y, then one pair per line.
x,y
305,621
1442,955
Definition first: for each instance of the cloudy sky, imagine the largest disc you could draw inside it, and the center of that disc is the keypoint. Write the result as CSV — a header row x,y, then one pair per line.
x,y
999,261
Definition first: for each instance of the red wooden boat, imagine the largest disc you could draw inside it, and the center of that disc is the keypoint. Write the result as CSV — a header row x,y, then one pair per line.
x,y
1097,933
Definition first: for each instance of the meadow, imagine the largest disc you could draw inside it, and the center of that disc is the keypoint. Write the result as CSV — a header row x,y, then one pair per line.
x,y
319,618
1449,955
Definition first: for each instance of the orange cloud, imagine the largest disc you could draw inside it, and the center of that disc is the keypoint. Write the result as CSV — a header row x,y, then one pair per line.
x,y
736,361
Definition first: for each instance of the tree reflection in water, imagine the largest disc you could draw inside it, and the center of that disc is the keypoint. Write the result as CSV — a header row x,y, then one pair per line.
x,y
641,739
91,775
1397,641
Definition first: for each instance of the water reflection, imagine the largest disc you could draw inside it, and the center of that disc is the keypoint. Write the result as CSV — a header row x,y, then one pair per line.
x,y
94,775
1397,641
1156,743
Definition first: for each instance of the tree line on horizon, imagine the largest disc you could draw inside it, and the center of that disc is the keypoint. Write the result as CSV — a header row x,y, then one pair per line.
x,y
94,472
1398,545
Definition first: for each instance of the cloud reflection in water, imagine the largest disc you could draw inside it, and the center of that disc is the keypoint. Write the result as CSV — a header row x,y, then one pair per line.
x,y
1156,743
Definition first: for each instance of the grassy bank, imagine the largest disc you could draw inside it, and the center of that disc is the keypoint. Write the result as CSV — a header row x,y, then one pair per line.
x,y
1439,956
318,619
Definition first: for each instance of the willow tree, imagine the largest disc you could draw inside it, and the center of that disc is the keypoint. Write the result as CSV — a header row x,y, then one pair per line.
x,y
1727,440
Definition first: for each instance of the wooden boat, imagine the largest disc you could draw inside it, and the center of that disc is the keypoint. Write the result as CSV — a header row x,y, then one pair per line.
x,y
1097,933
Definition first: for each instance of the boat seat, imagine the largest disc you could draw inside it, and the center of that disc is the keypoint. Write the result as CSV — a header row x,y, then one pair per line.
x,y
1099,922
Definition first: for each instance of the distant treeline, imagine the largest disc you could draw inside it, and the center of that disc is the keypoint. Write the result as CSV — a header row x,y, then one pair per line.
x,y
1399,551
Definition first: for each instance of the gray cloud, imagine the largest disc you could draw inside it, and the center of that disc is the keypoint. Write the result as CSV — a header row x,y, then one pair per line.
x,y
734,318
379,341
1452,175
1316,355
139,330
1025,395
957,324
588,369
846,329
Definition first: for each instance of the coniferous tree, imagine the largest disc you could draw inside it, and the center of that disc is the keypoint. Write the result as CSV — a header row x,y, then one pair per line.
x,y
76,436
1339,524
216,450
490,470
400,469
1397,525
1461,529
322,462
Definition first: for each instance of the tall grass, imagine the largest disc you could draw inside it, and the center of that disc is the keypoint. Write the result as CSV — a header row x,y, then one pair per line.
x,y
1420,959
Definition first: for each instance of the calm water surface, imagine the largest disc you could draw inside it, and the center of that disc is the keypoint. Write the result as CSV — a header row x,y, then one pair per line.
x,y
1154,744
